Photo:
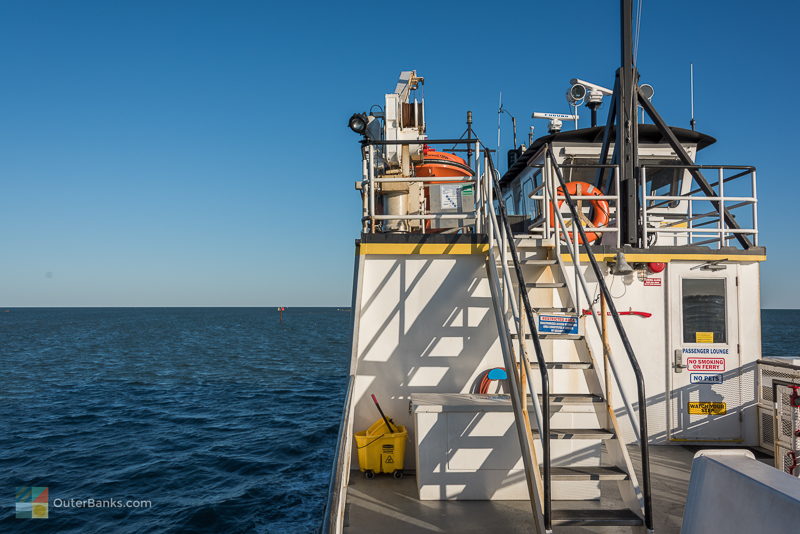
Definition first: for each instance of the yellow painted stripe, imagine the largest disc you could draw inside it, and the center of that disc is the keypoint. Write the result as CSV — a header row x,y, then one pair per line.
x,y
666,258
422,248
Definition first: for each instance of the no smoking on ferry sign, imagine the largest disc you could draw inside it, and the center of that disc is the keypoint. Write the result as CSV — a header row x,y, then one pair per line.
x,y
709,365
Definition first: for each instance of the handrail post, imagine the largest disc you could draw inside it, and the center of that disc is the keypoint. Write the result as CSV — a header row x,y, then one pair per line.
x,y
755,208
720,175
606,351
371,181
643,172
616,216
544,430
480,206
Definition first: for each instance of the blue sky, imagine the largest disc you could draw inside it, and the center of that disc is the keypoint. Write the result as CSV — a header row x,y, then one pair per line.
x,y
190,153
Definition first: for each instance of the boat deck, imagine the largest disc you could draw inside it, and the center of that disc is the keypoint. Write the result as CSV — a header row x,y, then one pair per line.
x,y
393,504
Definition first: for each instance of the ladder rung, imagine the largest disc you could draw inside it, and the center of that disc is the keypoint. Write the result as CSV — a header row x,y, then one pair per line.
x,y
596,518
574,398
579,433
551,336
588,472
546,285
563,365
560,336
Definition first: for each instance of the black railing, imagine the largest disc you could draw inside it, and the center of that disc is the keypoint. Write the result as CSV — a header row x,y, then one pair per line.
x,y
537,346
642,398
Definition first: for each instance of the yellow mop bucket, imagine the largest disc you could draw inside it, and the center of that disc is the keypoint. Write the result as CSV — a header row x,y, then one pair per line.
x,y
382,447
381,451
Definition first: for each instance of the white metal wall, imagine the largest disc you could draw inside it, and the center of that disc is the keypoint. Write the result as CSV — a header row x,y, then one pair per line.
x,y
425,326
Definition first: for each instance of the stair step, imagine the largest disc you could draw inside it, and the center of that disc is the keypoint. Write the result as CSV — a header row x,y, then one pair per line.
x,y
554,310
560,336
574,398
588,472
550,336
546,285
579,433
596,518
533,261
563,365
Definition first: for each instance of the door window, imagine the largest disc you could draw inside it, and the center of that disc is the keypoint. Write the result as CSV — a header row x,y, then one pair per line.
x,y
704,310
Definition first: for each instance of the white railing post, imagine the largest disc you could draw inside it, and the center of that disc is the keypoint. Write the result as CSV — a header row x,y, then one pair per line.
x,y
371,182
616,203
721,178
478,192
755,208
644,209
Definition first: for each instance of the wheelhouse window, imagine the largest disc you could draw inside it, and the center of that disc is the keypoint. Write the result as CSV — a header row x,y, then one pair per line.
x,y
704,310
663,181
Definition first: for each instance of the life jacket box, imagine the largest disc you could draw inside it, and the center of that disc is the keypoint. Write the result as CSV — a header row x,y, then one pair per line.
x,y
451,198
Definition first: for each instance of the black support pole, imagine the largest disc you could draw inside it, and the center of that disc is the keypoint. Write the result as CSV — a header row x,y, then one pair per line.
x,y
600,175
625,146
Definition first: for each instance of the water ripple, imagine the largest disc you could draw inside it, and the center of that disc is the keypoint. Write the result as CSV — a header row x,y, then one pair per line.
x,y
222,417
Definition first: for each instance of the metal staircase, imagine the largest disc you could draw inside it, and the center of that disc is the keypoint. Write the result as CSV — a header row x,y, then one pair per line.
x,y
572,447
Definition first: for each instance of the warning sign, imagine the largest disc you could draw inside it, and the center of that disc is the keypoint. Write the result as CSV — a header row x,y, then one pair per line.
x,y
558,324
704,337
709,365
388,460
656,282
708,408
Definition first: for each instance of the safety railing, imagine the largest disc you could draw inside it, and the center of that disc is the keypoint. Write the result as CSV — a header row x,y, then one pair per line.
x,y
516,303
544,197
695,217
573,238
332,519
375,213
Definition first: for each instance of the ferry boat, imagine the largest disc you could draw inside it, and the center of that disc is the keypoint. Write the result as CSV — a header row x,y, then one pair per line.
x,y
551,346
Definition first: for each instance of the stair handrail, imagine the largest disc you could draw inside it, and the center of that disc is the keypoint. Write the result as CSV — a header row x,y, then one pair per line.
x,y
640,388
544,420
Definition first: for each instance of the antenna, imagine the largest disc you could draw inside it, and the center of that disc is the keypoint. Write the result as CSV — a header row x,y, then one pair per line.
x,y
691,93
499,112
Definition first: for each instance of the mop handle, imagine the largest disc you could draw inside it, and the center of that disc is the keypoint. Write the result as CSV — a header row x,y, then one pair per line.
x,y
385,419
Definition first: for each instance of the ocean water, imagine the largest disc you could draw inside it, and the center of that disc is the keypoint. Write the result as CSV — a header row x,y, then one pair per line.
x,y
223,418
780,333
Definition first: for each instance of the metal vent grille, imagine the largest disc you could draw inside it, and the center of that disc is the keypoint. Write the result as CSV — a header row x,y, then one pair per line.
x,y
783,460
766,429
766,374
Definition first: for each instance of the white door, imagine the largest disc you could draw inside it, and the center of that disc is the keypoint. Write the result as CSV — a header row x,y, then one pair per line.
x,y
703,357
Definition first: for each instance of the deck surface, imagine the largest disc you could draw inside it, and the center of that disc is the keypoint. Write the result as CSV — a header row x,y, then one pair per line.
x,y
387,506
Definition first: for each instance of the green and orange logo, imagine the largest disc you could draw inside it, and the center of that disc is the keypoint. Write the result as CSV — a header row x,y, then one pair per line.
x,y
32,502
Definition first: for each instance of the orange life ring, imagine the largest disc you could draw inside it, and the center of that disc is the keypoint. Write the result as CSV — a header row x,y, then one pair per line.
x,y
600,207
